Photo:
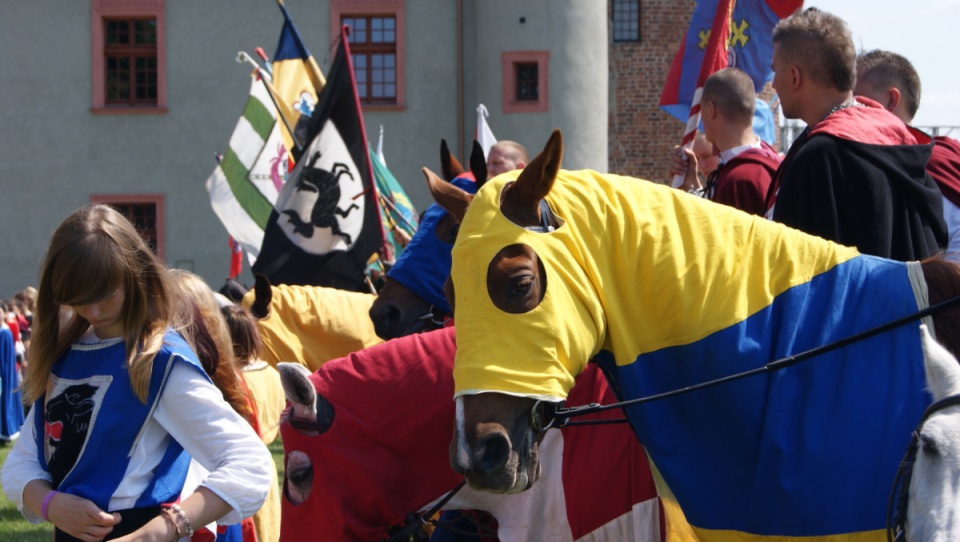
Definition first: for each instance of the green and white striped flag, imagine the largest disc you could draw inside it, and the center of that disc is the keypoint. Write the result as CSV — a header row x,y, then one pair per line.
x,y
246,183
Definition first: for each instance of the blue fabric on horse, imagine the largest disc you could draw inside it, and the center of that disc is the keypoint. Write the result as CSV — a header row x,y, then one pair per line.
x,y
425,275
810,420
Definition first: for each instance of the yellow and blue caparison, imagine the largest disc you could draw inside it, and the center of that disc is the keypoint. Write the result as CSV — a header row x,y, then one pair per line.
x,y
665,290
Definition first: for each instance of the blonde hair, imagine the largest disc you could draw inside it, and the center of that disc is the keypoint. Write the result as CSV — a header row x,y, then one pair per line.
x,y
93,253
821,43
199,320
512,150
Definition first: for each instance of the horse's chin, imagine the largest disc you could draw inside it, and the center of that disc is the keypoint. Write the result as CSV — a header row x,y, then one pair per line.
x,y
517,481
402,329
525,479
422,326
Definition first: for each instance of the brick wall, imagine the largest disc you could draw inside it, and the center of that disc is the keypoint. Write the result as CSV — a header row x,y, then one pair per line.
x,y
641,135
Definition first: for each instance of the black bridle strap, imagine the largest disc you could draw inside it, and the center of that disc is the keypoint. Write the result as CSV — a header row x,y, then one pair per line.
x,y
562,414
412,526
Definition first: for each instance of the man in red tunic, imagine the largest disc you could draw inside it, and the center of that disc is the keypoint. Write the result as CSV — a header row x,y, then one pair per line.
x,y
891,80
746,162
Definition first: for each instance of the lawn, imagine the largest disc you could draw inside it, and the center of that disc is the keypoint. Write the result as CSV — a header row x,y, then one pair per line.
x,y
13,528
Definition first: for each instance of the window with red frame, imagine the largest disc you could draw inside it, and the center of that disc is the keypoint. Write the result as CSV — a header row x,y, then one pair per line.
x,y
143,216
373,48
130,62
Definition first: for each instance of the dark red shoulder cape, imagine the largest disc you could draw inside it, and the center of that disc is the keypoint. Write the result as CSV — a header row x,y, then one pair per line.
x,y
944,167
743,181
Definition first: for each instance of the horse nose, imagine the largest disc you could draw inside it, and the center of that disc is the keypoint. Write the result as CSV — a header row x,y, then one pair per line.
x,y
387,315
385,318
491,452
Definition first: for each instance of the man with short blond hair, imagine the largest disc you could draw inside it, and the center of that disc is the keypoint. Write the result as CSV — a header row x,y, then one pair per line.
x,y
856,174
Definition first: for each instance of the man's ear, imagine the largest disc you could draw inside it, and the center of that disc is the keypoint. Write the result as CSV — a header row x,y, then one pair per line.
x,y
796,76
893,99
708,109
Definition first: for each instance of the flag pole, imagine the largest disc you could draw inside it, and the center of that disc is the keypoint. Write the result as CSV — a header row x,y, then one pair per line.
x,y
265,78
345,44
393,208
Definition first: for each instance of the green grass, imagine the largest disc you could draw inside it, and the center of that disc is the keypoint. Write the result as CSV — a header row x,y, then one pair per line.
x,y
13,528
12,525
276,449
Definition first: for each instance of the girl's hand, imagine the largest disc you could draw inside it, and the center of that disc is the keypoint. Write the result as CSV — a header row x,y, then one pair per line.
x,y
157,529
80,517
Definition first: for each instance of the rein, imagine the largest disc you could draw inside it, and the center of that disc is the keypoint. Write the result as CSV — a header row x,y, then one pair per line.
x,y
897,505
415,522
545,414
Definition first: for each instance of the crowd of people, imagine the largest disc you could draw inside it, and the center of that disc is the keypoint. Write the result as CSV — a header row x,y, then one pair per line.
x,y
858,174
139,407
16,319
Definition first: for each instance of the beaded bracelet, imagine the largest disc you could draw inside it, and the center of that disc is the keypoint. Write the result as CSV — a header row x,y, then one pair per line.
x,y
175,508
46,504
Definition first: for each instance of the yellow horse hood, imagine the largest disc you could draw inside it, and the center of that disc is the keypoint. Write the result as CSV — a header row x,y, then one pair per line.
x,y
644,264
561,334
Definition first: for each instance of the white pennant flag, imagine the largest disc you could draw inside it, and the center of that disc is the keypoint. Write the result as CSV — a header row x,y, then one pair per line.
x,y
380,157
484,135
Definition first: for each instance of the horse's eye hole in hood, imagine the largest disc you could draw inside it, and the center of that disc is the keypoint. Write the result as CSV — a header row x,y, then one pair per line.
x,y
516,279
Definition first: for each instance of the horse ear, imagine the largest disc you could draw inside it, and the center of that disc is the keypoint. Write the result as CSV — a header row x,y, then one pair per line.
x,y
942,370
295,380
449,166
449,196
537,178
263,295
478,164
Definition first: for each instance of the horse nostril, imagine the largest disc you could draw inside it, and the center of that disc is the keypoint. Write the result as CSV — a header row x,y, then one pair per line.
x,y
492,452
387,315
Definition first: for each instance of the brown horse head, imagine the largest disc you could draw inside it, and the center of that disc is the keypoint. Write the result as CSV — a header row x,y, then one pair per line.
x,y
504,254
412,299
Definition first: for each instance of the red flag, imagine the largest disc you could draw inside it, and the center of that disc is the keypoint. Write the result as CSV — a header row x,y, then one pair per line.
x,y
714,58
236,259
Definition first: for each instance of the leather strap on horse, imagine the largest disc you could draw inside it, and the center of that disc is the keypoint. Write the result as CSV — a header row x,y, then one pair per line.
x,y
558,415
415,522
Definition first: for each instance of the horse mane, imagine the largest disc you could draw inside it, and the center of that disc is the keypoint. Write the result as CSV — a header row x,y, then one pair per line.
x,y
943,283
